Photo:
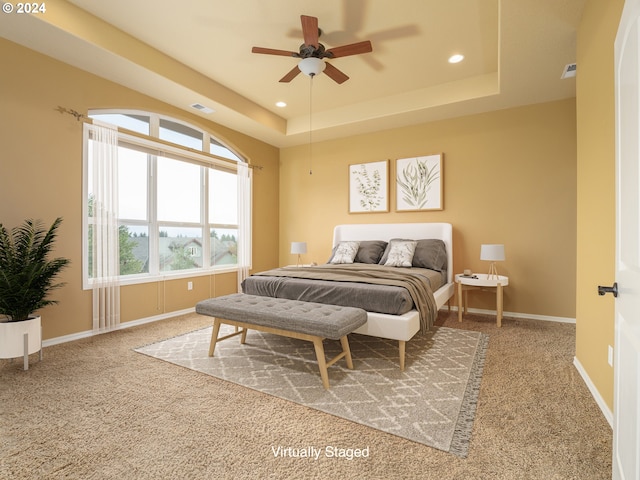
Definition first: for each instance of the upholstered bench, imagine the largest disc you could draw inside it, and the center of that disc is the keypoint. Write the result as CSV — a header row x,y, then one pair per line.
x,y
291,318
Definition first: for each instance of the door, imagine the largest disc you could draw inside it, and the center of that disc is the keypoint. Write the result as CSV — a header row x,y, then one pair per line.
x,y
626,422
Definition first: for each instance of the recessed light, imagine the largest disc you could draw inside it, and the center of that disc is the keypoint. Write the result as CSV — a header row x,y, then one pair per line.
x,y
457,58
281,104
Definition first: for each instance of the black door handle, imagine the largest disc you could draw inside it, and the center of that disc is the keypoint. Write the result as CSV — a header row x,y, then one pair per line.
x,y
602,290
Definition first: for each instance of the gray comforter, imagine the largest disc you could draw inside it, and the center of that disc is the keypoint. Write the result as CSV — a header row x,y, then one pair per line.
x,y
374,288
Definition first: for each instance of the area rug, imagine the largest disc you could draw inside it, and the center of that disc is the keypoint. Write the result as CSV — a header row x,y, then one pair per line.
x,y
432,402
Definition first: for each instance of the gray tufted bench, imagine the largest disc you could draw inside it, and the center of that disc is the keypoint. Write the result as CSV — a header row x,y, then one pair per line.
x,y
291,318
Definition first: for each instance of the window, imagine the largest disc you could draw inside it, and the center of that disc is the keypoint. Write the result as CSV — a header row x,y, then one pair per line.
x,y
177,209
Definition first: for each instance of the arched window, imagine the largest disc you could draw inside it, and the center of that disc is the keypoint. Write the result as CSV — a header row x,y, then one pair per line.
x,y
178,199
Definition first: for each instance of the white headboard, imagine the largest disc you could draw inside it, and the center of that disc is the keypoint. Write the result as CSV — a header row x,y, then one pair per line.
x,y
387,231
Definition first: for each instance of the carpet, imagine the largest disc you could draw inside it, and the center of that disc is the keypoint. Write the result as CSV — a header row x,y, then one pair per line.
x,y
432,402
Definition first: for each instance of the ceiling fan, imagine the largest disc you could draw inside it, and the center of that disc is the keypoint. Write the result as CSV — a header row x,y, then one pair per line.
x,y
313,52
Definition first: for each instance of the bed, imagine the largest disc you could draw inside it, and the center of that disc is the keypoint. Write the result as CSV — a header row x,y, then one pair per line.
x,y
398,299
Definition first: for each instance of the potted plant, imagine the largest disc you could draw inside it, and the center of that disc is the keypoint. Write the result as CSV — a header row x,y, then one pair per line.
x,y
27,276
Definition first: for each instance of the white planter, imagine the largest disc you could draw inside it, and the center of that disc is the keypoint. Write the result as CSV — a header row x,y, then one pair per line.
x,y
12,338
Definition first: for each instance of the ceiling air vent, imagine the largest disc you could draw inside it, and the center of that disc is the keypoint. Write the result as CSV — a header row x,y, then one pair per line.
x,y
569,71
202,108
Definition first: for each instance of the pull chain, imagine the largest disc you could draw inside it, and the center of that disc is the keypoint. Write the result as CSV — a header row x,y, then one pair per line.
x,y
310,129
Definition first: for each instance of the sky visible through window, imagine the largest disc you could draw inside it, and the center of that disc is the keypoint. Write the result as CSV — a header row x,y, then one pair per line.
x,y
172,176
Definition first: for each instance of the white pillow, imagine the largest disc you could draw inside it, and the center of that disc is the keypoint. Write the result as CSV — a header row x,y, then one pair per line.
x,y
345,252
401,253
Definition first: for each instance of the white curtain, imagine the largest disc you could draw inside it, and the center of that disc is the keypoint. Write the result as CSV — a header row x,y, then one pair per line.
x,y
106,248
244,222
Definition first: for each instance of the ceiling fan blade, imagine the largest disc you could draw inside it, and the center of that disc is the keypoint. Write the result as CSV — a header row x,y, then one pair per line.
x,y
351,49
310,30
291,75
335,74
271,51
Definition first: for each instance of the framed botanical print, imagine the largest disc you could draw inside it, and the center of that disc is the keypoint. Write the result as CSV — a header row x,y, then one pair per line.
x,y
369,187
419,183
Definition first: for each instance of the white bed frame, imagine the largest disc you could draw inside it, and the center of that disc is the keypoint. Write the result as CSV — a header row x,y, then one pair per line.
x,y
400,327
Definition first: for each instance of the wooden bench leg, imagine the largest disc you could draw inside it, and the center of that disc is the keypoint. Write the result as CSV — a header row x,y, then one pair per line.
x,y
214,336
322,362
344,341
216,331
402,348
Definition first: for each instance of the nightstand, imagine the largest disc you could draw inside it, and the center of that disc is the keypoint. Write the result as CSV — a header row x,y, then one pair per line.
x,y
482,282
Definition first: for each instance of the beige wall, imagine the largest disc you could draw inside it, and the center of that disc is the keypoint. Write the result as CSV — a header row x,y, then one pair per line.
x,y
509,177
41,177
596,190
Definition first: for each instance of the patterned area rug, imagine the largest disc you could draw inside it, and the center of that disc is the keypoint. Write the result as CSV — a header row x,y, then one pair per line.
x,y
432,402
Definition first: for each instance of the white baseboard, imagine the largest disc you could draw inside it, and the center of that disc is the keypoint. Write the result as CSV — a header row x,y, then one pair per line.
x,y
529,316
90,333
608,414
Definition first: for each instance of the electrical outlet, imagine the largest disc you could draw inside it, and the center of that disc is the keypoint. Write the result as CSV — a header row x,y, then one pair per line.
x,y
610,356
189,285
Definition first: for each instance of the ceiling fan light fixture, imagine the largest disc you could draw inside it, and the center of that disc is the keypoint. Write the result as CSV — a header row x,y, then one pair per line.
x,y
311,66
311,53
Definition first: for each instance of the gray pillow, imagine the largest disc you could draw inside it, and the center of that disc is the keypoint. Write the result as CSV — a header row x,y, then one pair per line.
x,y
370,251
430,253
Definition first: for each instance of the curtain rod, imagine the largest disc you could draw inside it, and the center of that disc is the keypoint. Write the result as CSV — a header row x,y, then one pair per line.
x,y
81,117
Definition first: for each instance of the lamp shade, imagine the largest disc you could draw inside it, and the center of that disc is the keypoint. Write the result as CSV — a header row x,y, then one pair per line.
x,y
298,247
493,253
311,66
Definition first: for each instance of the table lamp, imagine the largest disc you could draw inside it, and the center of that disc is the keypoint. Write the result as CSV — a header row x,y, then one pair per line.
x,y
298,248
493,254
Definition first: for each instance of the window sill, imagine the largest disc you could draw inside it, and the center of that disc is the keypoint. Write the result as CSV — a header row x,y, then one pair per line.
x,y
136,280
